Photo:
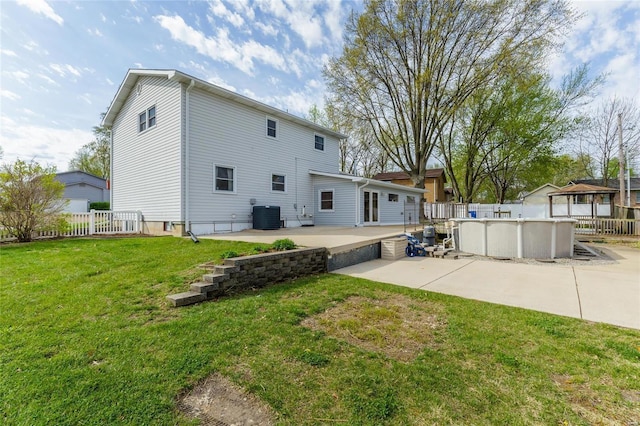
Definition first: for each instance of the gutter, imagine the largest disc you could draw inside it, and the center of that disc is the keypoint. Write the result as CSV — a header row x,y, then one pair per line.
x,y
187,222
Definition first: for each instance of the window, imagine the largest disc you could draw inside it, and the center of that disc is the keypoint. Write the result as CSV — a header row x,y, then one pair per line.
x,y
278,183
393,198
143,122
411,199
225,178
151,116
319,143
326,201
637,197
147,119
271,127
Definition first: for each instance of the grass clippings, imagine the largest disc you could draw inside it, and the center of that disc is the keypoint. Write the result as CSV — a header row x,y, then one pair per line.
x,y
392,324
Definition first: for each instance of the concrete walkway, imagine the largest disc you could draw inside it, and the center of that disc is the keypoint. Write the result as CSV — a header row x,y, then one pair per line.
x,y
608,293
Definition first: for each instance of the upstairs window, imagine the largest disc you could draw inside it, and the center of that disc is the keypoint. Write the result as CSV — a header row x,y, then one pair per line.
x,y
225,179
278,183
393,198
319,143
271,127
147,119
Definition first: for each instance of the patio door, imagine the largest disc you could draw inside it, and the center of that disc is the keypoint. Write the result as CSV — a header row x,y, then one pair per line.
x,y
370,208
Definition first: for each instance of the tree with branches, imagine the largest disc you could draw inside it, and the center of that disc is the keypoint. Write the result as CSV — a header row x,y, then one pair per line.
x,y
95,156
599,138
30,199
409,65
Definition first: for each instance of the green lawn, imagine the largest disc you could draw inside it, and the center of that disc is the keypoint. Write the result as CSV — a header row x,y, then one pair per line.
x,y
87,337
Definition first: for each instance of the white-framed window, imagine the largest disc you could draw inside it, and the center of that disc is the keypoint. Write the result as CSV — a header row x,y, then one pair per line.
x,y
393,198
319,143
411,199
278,182
326,200
147,119
637,197
224,178
272,127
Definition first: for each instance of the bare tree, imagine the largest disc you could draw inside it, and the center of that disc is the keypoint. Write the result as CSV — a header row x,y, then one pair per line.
x,y
409,65
30,199
599,137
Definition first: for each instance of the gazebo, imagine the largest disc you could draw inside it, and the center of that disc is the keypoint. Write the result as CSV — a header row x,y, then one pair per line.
x,y
581,189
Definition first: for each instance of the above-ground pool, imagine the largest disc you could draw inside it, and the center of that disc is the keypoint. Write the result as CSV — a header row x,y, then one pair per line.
x,y
516,238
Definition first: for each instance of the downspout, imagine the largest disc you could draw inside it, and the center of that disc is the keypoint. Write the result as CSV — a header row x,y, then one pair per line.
x,y
187,222
111,168
358,188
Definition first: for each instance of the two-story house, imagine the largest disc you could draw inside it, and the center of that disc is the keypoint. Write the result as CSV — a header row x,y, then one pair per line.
x,y
434,180
192,156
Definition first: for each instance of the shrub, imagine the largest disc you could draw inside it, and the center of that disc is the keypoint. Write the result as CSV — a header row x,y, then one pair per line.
x,y
30,199
228,254
284,244
99,205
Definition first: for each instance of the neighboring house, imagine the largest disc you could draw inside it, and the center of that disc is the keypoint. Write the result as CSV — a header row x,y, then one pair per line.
x,y
434,181
192,156
82,188
615,184
540,195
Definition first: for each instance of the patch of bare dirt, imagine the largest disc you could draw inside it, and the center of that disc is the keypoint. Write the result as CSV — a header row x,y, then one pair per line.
x,y
216,401
599,409
392,324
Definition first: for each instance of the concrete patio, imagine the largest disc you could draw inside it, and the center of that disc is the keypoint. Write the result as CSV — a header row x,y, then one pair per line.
x,y
601,292
332,237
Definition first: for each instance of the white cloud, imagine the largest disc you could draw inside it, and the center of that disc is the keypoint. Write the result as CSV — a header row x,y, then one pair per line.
x,y
268,30
220,10
208,75
65,69
300,16
7,52
221,48
19,76
85,97
95,32
41,6
109,82
9,95
48,80
46,145
244,9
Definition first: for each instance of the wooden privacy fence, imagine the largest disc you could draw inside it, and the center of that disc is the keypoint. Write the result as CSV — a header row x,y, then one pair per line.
x,y
95,222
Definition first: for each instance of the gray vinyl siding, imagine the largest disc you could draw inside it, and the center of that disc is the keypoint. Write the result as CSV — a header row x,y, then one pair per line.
x,y
344,201
147,165
392,213
226,133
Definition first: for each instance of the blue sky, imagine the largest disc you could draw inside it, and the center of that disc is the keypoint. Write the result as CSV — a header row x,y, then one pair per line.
x,y
61,62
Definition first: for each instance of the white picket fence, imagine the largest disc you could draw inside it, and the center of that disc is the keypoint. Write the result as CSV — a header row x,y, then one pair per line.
x,y
95,222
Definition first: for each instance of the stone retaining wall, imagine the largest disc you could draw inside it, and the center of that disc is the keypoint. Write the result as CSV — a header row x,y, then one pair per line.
x,y
241,273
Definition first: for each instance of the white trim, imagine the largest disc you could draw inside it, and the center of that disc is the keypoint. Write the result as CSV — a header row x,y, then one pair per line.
x,y
266,127
234,180
364,206
271,183
333,200
375,182
323,142
146,119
